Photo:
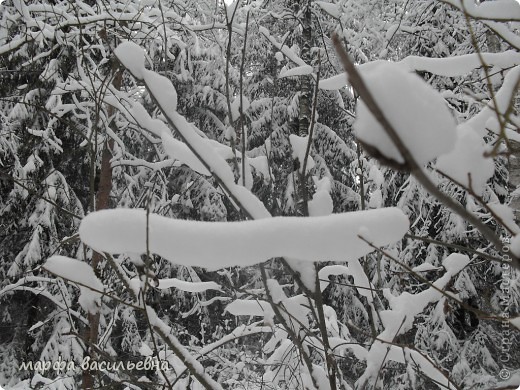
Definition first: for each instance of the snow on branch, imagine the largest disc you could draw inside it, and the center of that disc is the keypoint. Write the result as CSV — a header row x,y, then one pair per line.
x,y
394,148
497,10
502,30
297,71
460,65
162,90
417,112
180,351
192,287
238,332
286,50
486,119
21,285
214,245
448,67
405,307
81,273
400,318
330,8
466,163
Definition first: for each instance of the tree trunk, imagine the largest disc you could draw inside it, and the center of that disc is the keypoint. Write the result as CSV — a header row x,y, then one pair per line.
x,y
102,202
305,88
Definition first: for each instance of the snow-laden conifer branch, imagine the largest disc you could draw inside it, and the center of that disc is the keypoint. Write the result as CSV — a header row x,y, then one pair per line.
x,y
20,286
400,317
497,11
132,56
448,67
408,159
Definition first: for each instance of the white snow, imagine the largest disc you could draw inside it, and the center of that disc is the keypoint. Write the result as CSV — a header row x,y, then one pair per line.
x,y
164,93
215,245
287,51
331,270
297,71
131,56
417,112
448,67
174,148
219,166
235,107
79,272
505,215
466,163
321,202
330,8
238,332
424,267
399,319
503,96
141,117
295,308
515,245
376,176
299,147
321,377
504,32
461,65
261,165
495,10
376,199
453,264
180,151
306,270
390,32
333,83
516,322
250,202
354,269
192,287
247,307
231,9
145,350
167,99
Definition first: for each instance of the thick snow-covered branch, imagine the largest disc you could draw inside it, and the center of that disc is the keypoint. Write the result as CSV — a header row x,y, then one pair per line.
x,y
215,245
420,116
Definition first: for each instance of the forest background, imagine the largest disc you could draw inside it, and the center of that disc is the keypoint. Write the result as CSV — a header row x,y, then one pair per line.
x,y
391,260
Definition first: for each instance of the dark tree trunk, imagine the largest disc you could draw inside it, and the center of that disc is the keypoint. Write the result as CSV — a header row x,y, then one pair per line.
x,y
102,202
